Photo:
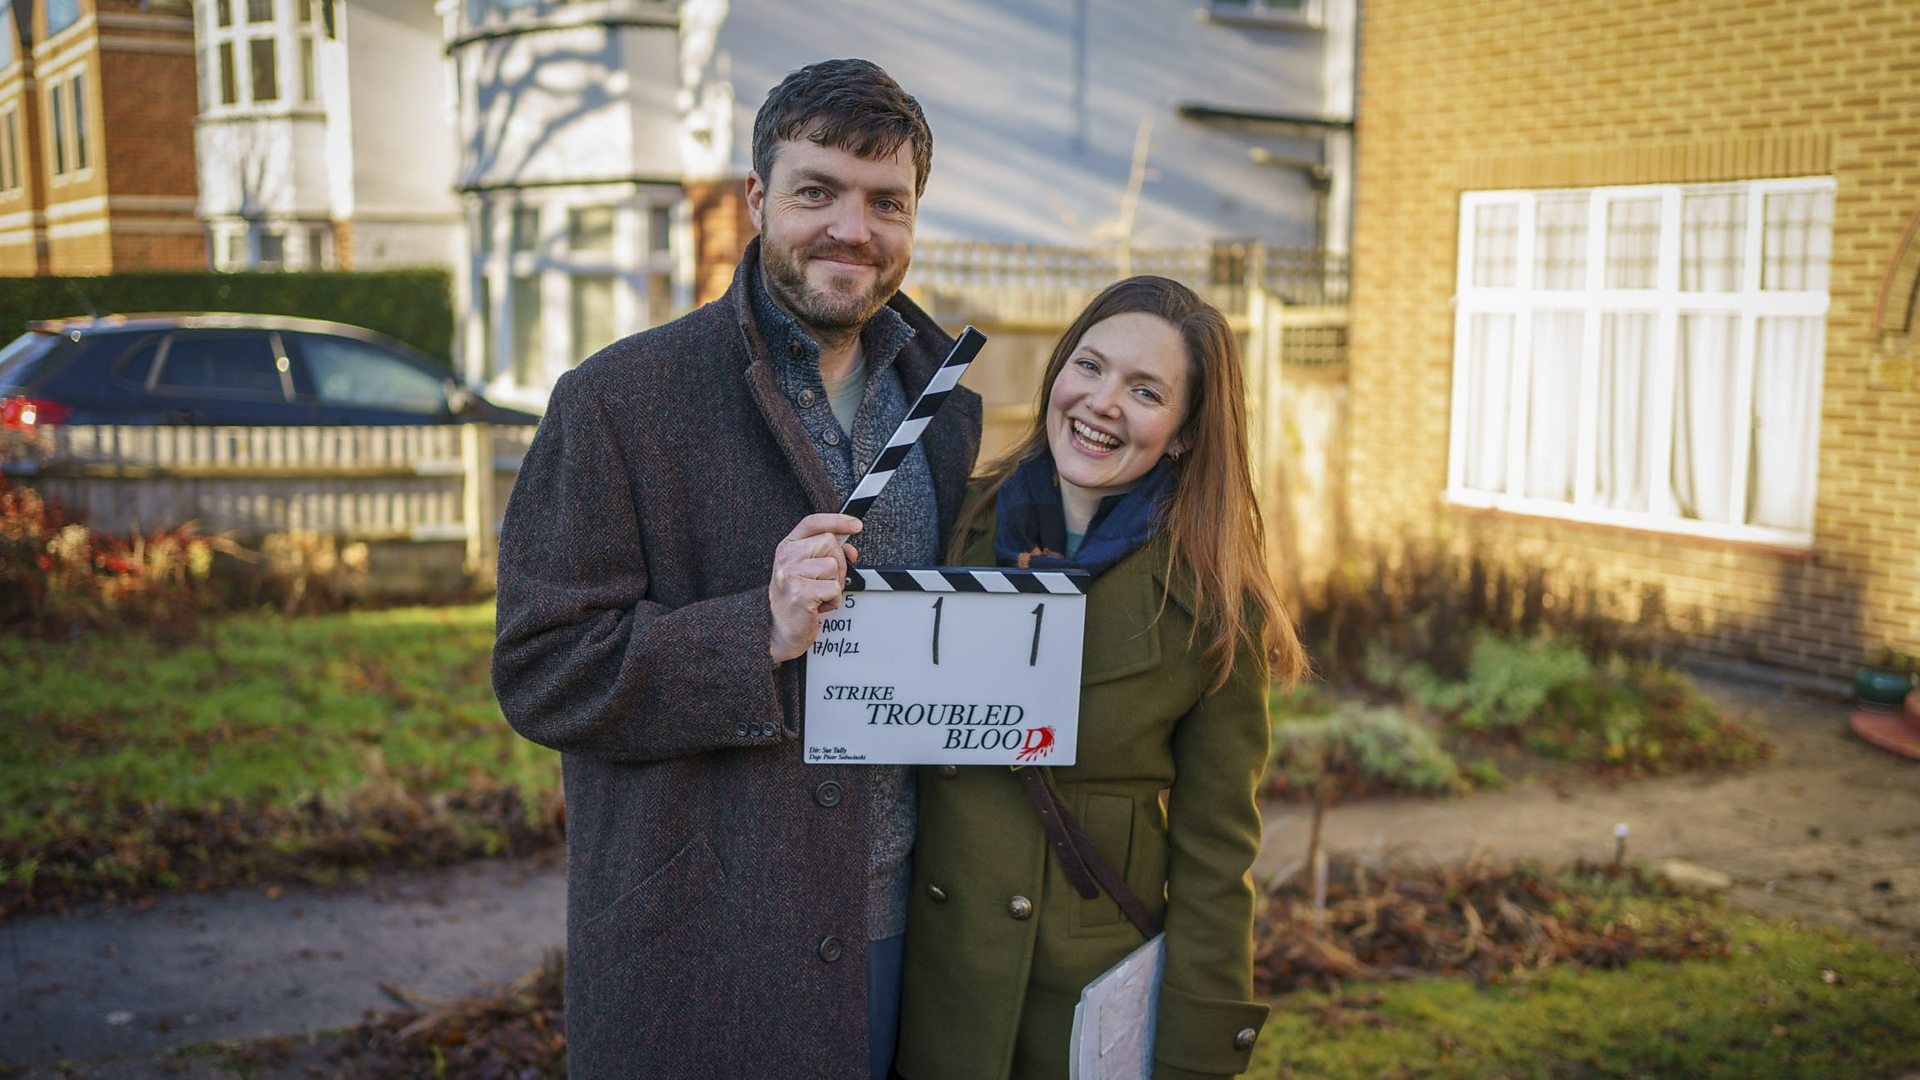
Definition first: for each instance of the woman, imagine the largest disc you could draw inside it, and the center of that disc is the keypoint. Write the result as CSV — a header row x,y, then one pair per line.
x,y
1135,470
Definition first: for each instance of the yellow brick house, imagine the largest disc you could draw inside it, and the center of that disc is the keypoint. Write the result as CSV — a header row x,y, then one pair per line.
x,y
1634,298
96,137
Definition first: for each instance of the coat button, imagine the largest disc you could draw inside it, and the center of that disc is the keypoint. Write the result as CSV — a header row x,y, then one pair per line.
x,y
829,949
740,730
831,438
807,398
1244,1039
935,893
948,771
1020,907
828,793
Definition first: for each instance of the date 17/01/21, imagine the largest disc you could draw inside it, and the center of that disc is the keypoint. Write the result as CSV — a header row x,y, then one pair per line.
x,y
840,626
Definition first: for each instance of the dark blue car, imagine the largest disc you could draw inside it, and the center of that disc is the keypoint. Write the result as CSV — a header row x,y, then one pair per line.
x,y
227,369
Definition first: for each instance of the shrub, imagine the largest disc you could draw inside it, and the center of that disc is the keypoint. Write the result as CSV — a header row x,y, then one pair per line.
x,y
1424,604
57,576
310,572
1365,749
414,306
1625,715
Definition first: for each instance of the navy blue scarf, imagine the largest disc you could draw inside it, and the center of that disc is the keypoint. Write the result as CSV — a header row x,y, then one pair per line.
x,y
1032,529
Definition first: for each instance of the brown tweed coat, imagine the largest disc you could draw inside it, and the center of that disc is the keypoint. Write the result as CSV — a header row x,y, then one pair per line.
x,y
716,902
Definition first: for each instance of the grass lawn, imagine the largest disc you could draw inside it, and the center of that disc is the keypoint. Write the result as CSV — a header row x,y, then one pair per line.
x,y
1788,1002
129,761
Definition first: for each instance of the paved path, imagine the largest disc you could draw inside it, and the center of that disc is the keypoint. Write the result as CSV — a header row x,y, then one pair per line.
x,y
1830,830
242,966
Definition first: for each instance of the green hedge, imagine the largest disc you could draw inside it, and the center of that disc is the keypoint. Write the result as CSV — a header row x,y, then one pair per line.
x,y
414,306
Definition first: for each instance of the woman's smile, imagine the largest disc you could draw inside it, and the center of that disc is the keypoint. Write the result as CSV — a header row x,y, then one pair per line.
x,y
1091,440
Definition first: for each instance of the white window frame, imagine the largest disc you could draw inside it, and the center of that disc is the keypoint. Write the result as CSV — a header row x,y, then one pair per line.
x,y
290,58
68,142
78,100
1667,303
10,51
633,261
55,31
12,169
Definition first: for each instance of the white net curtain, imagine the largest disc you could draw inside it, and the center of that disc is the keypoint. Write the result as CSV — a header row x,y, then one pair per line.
x,y
1655,352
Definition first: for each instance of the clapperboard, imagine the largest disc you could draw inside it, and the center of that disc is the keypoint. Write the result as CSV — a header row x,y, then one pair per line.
x,y
945,665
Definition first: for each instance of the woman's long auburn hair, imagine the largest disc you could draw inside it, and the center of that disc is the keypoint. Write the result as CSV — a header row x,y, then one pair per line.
x,y
1212,521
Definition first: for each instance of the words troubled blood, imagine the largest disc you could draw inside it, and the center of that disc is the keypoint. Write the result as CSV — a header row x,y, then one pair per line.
x,y
973,726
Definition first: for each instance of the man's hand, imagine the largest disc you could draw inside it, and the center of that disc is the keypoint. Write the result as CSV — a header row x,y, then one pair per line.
x,y
809,572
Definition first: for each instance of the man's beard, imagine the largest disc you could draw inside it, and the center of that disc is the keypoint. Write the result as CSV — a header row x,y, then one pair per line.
x,y
834,316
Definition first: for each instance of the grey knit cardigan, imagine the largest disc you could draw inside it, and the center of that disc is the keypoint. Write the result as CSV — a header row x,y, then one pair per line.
x,y
716,902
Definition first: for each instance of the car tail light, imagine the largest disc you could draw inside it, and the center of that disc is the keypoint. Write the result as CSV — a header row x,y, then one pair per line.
x,y
26,414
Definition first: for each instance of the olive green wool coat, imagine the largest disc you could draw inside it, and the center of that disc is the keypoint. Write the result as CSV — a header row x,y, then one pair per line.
x,y
989,994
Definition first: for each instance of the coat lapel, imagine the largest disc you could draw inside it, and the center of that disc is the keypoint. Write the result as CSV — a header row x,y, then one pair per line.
x,y
765,387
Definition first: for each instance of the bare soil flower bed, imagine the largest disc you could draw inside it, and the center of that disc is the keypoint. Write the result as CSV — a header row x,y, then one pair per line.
x,y
1490,923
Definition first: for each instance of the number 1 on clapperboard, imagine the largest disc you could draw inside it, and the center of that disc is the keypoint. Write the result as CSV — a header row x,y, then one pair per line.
x,y
1033,654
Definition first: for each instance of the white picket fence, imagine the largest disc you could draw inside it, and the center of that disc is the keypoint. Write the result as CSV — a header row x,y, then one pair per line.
x,y
407,484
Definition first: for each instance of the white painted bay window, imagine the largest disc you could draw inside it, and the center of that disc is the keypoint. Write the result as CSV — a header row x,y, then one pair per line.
x,y
1645,356
559,273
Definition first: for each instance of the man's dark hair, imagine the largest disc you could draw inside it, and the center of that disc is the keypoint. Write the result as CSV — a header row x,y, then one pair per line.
x,y
849,105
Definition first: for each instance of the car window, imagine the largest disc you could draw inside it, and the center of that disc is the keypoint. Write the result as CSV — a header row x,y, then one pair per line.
x,y
26,357
136,366
349,372
228,363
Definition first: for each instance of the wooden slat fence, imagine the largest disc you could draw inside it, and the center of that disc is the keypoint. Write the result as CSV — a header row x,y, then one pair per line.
x,y
1296,405
1039,283
427,483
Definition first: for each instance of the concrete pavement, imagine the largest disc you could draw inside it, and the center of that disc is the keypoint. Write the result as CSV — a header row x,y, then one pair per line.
x,y
193,969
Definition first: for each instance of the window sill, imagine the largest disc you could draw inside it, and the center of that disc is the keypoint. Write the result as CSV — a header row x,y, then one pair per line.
x,y
1773,543
228,114
1304,18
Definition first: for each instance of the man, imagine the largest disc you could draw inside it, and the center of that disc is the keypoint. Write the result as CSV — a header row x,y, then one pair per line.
x,y
666,557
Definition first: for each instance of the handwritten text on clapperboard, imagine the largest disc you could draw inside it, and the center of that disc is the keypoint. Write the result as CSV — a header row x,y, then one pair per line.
x,y
946,666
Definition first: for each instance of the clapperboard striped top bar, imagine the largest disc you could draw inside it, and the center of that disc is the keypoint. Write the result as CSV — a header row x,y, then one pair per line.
x,y
884,579
910,429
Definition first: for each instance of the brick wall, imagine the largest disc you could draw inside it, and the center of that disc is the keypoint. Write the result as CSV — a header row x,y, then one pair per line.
x,y
343,248
159,251
23,253
149,101
1460,95
140,99
721,229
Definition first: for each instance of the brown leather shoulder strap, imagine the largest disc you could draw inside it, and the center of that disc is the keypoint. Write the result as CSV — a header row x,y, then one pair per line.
x,y
1051,815
1082,861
